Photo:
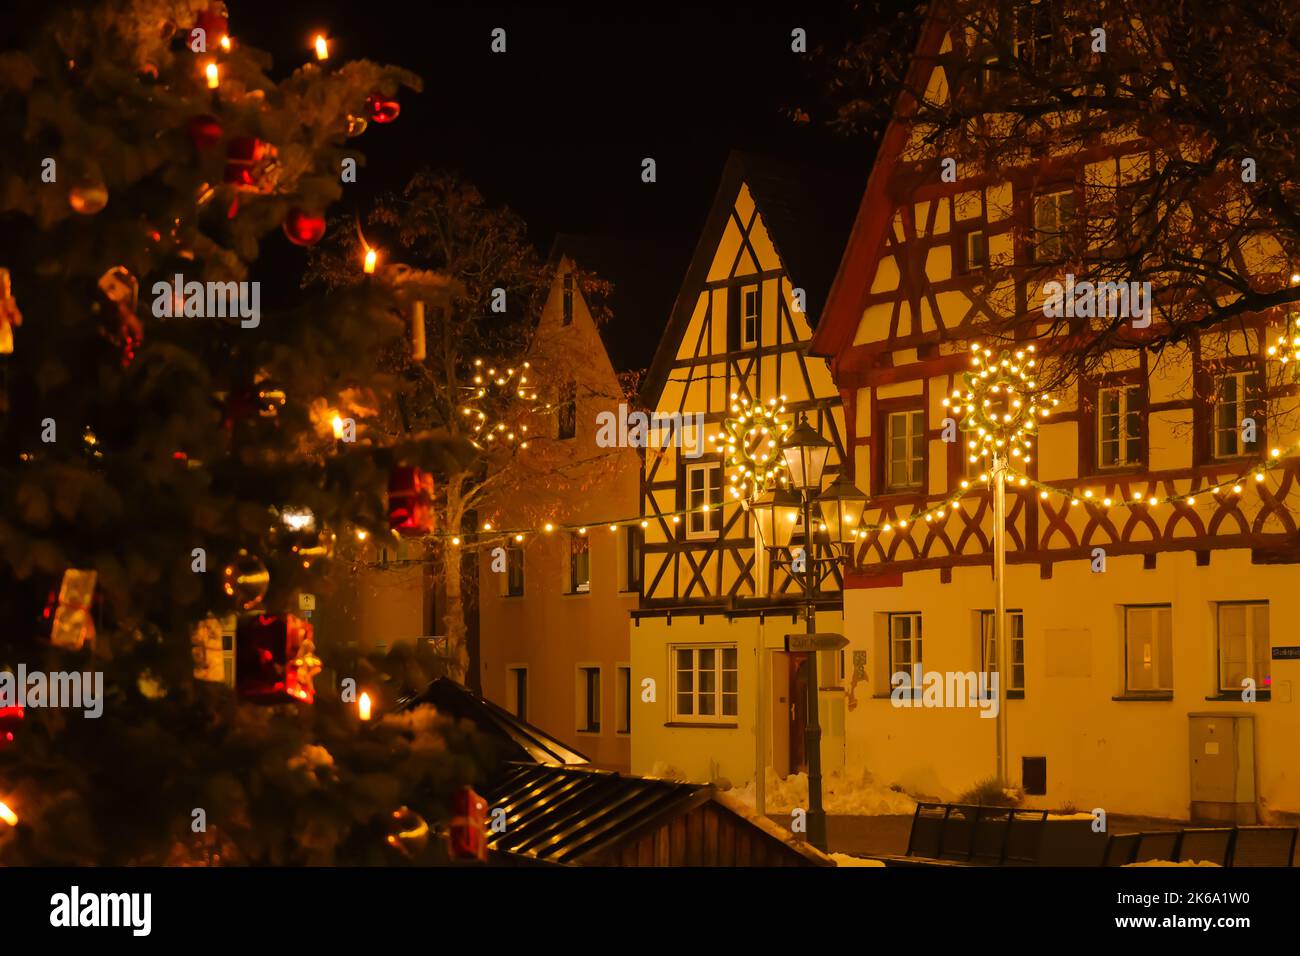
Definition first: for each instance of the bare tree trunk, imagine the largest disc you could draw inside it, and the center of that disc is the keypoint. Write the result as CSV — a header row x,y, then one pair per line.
x,y
454,618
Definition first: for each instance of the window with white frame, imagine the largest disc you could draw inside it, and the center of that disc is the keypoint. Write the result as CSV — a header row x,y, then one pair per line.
x,y
623,699
976,251
905,450
1237,398
1148,649
1053,221
749,316
1119,426
588,700
706,683
904,643
703,488
1015,629
1245,650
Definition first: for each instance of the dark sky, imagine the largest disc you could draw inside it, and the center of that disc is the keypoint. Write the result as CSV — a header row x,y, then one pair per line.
x,y
556,127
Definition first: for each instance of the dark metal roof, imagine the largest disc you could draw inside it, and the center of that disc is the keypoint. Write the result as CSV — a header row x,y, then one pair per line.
x,y
578,815
522,741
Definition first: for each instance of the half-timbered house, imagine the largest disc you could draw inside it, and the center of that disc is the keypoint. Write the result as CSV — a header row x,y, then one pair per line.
x,y
1138,625
717,694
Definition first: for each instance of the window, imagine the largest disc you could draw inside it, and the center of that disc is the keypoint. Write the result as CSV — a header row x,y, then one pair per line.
x,y
989,644
1053,222
749,316
1148,649
1135,214
579,564
904,643
703,488
517,691
705,684
567,413
1244,648
905,450
514,572
632,538
1032,45
1119,426
1238,397
975,251
568,299
623,699
589,700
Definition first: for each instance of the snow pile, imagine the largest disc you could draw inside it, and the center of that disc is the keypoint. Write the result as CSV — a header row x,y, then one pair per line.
x,y
1172,863
841,795
843,859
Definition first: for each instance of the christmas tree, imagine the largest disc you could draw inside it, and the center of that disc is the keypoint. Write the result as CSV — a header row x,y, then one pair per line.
x,y
176,459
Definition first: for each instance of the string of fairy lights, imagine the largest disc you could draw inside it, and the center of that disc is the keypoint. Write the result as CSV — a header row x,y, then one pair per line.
x,y
1001,410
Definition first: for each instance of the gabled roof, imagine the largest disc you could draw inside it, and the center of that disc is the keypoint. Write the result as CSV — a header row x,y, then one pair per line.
x,y
642,293
807,212
857,267
580,815
522,741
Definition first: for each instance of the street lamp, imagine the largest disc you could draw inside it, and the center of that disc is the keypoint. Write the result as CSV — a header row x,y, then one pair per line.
x,y
776,511
842,505
805,452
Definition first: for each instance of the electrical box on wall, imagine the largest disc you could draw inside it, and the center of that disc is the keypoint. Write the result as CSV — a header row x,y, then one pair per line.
x,y
1222,764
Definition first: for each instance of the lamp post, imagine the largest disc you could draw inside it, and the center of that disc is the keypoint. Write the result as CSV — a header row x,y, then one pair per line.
x,y
805,454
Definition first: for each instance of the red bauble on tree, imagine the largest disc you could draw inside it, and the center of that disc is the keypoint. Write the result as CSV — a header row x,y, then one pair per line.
x,y
10,720
382,109
410,501
275,659
205,131
304,228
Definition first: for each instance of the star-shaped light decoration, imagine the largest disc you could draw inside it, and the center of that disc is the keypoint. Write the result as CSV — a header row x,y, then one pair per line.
x,y
1001,405
752,438
496,402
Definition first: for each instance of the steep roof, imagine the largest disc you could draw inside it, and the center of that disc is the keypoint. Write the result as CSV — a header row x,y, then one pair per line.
x,y
641,272
807,211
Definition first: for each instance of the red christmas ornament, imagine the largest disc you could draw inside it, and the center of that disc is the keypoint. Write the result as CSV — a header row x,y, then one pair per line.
x,y
382,110
304,228
10,720
410,501
205,131
275,659
468,829
250,163
215,23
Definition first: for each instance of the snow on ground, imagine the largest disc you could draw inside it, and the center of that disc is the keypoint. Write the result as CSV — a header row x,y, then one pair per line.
x,y
843,859
1171,863
841,795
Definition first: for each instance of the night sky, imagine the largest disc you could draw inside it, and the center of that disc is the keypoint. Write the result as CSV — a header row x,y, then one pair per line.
x,y
556,127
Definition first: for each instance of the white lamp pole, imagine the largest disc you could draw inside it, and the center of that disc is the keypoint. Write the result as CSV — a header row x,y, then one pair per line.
x,y
1000,606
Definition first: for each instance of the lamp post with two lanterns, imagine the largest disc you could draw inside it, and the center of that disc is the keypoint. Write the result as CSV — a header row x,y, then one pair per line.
x,y
776,512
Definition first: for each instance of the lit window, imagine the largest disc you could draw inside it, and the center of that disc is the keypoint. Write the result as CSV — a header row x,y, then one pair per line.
x,y
905,450
1244,647
989,646
749,318
1148,649
705,684
579,564
1119,426
1053,221
703,487
1238,398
